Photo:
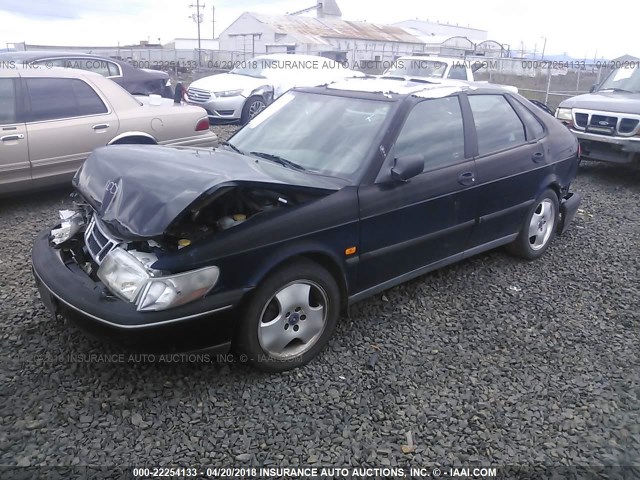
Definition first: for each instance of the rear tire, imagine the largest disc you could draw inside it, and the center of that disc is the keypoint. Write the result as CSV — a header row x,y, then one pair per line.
x,y
539,228
289,318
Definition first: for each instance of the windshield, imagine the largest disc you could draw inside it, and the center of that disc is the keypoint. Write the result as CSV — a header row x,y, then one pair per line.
x,y
625,78
417,67
325,134
252,68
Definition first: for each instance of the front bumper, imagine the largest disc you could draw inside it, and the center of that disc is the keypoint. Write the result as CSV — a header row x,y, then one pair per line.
x,y
605,148
223,108
67,290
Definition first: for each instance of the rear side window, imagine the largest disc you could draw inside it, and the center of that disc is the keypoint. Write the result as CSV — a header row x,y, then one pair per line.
x,y
89,103
53,98
533,124
7,101
434,130
497,124
114,70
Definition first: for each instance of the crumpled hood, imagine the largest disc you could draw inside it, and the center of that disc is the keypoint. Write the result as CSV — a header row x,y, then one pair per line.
x,y
138,190
606,101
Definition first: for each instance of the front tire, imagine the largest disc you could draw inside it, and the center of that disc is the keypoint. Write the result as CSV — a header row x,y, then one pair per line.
x,y
539,228
290,317
252,107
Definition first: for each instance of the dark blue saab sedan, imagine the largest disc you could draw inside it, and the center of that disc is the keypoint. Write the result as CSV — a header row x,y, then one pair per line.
x,y
329,196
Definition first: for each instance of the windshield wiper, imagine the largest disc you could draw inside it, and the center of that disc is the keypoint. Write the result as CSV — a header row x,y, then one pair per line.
x,y
232,147
279,160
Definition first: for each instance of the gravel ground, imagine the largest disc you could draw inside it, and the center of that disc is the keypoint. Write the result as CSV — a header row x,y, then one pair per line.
x,y
492,360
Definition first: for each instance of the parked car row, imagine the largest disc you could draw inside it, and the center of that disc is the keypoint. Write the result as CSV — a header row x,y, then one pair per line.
x,y
331,194
247,90
337,188
137,81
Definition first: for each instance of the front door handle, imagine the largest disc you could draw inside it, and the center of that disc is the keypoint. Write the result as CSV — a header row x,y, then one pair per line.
x,y
466,179
8,138
100,126
537,157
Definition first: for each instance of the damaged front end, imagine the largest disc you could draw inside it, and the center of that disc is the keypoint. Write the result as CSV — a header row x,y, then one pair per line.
x,y
107,237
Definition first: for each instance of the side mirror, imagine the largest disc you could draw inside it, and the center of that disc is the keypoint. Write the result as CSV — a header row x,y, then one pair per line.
x,y
407,167
593,88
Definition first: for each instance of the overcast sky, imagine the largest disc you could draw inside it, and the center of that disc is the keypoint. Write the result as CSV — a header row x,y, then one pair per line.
x,y
571,27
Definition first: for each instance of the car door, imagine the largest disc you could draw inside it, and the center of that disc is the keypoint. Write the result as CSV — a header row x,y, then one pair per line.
x,y
15,169
67,119
408,227
510,168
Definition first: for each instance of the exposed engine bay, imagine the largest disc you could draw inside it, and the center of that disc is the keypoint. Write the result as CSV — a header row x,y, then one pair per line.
x,y
85,239
228,208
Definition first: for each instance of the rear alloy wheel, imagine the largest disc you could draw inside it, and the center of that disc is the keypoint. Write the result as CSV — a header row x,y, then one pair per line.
x,y
290,317
252,107
539,229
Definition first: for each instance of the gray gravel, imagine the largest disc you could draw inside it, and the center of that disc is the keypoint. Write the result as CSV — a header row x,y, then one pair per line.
x,y
492,360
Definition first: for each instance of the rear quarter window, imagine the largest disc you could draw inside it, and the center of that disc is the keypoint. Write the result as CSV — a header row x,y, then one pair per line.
x,y
497,124
535,128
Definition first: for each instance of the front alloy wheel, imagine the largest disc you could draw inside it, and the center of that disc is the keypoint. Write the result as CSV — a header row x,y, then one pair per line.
x,y
252,107
289,318
293,320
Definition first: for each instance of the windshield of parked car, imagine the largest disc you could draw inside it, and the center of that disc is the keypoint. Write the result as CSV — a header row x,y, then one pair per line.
x,y
416,67
625,79
330,135
252,68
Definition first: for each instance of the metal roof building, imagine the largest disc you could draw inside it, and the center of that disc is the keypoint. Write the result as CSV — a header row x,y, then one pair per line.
x,y
326,35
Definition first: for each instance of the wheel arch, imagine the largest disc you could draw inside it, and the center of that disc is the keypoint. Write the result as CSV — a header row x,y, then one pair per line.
x,y
551,182
139,137
317,254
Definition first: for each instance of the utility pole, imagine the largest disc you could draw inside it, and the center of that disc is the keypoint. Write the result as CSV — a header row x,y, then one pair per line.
x,y
213,22
544,46
198,19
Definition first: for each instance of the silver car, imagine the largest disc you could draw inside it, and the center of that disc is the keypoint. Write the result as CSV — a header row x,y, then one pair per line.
x,y
52,118
247,89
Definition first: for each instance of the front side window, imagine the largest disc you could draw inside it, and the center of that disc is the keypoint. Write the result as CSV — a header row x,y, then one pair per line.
x,y
53,98
433,129
331,135
497,124
7,101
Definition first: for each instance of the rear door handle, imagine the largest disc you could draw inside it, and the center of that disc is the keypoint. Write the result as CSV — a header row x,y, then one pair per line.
x,y
8,138
100,126
466,178
538,157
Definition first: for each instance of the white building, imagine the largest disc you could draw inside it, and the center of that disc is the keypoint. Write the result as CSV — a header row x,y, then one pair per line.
x,y
325,34
192,44
444,30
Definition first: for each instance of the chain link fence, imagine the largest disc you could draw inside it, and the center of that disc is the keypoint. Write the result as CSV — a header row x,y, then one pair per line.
x,y
547,81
